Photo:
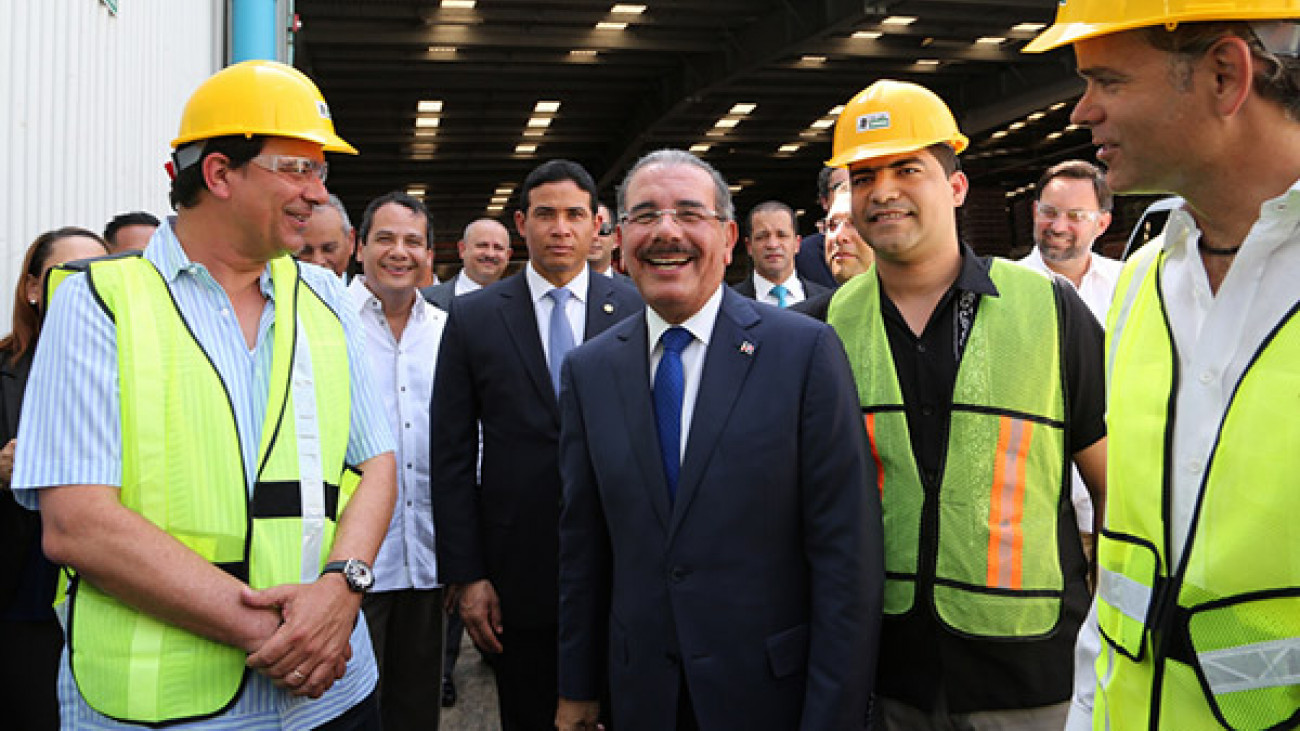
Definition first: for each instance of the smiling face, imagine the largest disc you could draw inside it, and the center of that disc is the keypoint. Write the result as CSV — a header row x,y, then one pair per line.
x,y
1058,236
676,267
558,228
396,253
905,205
328,243
1143,125
274,207
772,244
485,251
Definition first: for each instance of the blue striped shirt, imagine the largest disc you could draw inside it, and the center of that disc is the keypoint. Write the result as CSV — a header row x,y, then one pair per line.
x,y
70,435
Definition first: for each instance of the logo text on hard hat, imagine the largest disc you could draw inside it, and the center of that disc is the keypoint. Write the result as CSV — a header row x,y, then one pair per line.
x,y
873,121
323,110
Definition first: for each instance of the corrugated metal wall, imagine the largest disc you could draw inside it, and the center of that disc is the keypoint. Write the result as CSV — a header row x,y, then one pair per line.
x,y
89,102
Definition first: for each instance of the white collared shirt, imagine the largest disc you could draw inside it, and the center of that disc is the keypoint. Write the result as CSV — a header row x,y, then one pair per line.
x,y
1216,337
464,285
403,372
700,325
793,289
1096,288
575,309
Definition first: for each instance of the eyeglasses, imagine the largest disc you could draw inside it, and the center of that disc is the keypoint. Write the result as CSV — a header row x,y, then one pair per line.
x,y
1073,215
683,216
294,166
833,224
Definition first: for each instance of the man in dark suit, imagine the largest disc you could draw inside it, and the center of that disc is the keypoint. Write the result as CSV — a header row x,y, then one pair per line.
x,y
499,363
811,262
772,242
485,253
721,532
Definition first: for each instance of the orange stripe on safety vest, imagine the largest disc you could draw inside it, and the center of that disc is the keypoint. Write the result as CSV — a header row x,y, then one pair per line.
x,y
1007,503
870,421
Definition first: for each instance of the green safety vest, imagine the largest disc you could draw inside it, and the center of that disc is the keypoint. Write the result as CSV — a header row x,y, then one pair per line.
x,y
996,569
183,470
1213,642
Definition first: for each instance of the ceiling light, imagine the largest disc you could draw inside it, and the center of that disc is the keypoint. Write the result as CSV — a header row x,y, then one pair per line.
x,y
421,156
898,20
428,106
495,209
813,59
990,40
545,107
585,52
1016,125
628,9
525,149
742,108
416,190
1028,27
700,148
867,34
458,4
504,190
423,147
427,122
726,123
927,62
823,124
442,49
1071,127
793,147
542,122
1056,106
836,110
1054,135
1035,116
500,199
715,132
426,133
534,132
608,25
735,188
999,134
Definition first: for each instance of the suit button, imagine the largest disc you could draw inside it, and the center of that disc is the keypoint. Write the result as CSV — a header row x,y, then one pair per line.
x,y
678,574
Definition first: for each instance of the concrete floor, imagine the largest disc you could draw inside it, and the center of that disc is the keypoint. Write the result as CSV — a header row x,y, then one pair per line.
x,y
476,705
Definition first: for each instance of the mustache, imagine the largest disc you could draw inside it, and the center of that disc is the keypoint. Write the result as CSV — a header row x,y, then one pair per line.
x,y
660,251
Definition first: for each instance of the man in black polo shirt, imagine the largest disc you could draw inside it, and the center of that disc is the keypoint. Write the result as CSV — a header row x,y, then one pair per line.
x,y
980,380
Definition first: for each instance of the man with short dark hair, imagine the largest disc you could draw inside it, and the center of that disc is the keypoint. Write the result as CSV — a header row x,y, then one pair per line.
x,y
499,365
1194,624
130,231
810,262
604,245
484,250
329,239
721,527
404,608
772,242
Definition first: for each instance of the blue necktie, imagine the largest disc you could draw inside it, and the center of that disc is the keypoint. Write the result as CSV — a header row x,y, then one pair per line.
x,y
560,339
780,293
669,387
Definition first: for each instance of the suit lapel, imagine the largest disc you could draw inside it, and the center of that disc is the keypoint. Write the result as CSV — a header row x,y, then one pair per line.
x,y
631,372
602,309
521,323
731,353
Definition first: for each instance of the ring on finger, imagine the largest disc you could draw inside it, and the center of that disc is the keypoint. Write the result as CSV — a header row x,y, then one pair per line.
x,y
297,676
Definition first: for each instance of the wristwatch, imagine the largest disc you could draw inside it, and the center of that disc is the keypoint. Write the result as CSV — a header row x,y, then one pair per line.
x,y
355,571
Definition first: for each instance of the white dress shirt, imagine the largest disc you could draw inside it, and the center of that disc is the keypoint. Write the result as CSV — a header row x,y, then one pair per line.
x,y
793,289
403,373
464,285
1096,289
1216,337
575,308
700,325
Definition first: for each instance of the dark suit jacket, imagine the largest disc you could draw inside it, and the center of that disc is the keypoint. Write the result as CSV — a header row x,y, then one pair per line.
x,y
811,289
492,369
762,582
440,294
810,261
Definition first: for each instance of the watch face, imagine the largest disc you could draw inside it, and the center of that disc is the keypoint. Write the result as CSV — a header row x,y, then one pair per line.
x,y
359,575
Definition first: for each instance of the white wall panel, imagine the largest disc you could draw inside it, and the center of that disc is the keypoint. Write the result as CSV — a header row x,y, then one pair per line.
x,y
89,102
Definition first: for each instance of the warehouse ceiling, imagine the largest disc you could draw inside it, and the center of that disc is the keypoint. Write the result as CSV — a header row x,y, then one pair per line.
x,y
461,99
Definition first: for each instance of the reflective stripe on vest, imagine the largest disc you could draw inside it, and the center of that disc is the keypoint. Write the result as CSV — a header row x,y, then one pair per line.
x,y
1004,471
1211,642
183,469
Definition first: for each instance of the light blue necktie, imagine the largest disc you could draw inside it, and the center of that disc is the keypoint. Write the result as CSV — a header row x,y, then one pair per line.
x,y
669,387
560,340
780,293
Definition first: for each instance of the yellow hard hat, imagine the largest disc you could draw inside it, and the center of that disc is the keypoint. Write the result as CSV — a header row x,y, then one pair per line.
x,y
892,117
260,98
1077,20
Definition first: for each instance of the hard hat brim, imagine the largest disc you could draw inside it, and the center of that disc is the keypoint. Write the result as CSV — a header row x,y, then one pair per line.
x,y
328,143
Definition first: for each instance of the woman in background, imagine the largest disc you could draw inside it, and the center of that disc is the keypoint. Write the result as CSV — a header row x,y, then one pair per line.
x,y
29,632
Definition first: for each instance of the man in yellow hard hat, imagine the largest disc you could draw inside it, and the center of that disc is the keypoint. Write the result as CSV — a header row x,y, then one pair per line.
x,y
196,421
1197,619
979,381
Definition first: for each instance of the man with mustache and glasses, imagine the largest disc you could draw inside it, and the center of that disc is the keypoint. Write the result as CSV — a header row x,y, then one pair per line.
x,y
720,535
980,381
